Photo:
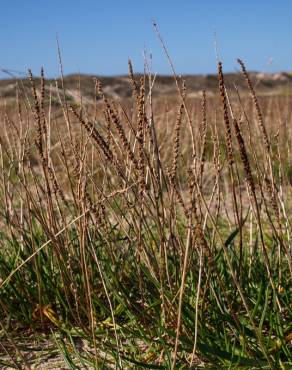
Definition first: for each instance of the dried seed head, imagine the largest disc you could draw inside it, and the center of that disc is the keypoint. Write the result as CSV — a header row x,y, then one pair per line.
x,y
37,116
244,157
116,121
92,131
203,131
176,141
42,101
228,137
256,104
140,137
272,198
132,80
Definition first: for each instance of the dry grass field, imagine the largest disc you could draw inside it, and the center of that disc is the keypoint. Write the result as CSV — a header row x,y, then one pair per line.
x,y
146,224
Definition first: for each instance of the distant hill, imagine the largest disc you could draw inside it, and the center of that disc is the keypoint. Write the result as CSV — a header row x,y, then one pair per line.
x,y
120,87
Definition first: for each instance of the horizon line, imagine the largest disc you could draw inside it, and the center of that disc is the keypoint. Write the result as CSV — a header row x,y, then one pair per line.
x,y
15,74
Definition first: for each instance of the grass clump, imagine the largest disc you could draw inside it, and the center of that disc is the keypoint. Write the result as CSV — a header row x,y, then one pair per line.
x,y
151,239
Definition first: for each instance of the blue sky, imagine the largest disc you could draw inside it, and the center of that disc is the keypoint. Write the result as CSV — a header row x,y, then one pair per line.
x,y
99,36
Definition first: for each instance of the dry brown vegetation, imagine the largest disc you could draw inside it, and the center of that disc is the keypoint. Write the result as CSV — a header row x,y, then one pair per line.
x,y
155,228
